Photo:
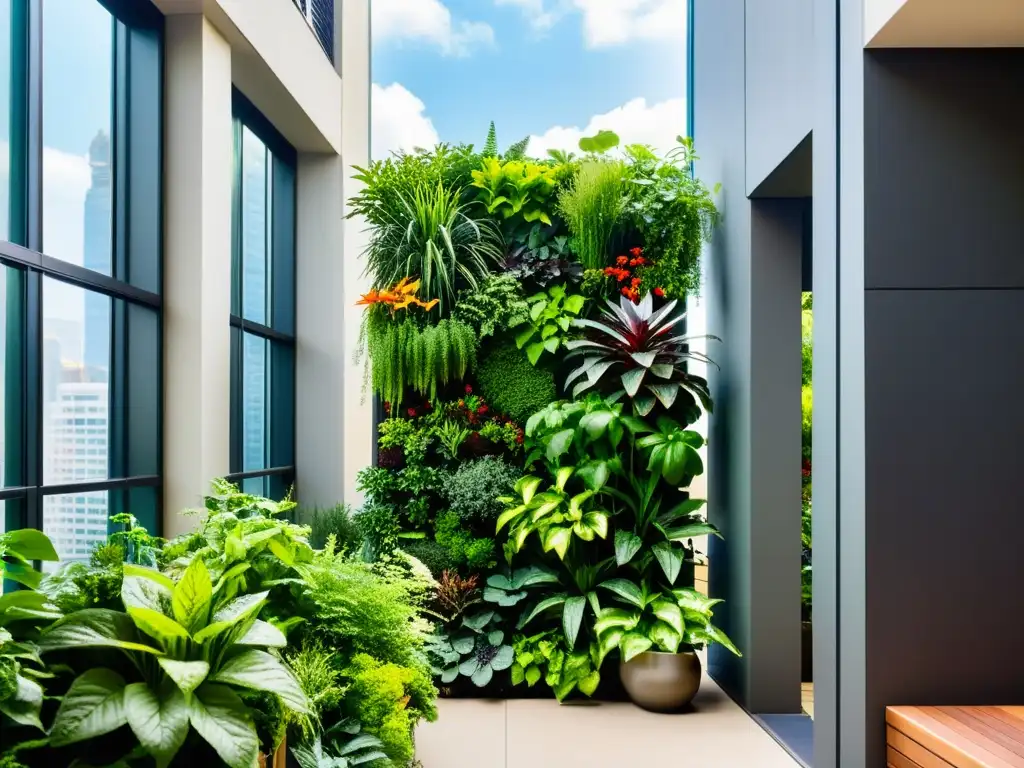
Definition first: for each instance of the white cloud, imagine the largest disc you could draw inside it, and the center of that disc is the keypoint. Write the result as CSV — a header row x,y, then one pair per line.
x,y
399,121
611,22
428,21
635,122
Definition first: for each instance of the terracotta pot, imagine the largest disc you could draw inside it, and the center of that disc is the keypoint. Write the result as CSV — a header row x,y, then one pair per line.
x,y
278,759
661,682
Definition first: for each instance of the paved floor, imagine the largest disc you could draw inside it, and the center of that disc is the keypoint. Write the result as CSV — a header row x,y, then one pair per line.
x,y
475,733
807,697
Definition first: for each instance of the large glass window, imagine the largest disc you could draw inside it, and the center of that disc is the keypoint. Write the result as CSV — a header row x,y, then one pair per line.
x,y
263,307
80,392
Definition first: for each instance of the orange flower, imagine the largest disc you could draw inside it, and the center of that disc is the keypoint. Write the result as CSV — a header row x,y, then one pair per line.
x,y
659,292
621,260
636,251
402,296
635,282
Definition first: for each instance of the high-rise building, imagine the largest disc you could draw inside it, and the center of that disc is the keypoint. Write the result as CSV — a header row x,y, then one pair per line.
x,y
96,255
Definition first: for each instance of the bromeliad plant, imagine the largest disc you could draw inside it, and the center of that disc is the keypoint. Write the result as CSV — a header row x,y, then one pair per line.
x,y
637,353
191,648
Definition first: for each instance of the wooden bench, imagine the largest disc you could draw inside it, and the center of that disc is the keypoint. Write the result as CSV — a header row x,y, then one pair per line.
x,y
955,737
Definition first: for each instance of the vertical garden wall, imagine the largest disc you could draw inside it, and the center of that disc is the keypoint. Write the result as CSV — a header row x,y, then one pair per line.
x,y
525,335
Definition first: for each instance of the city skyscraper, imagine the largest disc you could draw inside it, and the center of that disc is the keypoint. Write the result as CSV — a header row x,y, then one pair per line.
x,y
97,239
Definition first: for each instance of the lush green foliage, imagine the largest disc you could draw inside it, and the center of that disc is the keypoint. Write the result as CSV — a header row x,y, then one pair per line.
x,y
588,505
333,521
515,386
592,204
411,356
551,315
497,305
217,653
474,488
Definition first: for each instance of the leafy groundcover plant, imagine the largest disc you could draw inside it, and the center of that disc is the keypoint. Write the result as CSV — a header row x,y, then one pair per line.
x,y
215,653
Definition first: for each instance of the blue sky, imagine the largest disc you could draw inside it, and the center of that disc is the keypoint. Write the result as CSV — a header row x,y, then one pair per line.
x,y
552,69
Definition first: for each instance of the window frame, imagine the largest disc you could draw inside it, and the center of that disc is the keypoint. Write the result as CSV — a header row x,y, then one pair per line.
x,y
137,55
278,474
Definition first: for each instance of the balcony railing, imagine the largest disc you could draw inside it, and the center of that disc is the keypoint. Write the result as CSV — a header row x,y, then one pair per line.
x,y
320,16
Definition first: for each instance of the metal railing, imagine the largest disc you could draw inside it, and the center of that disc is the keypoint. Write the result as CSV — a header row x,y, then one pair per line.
x,y
319,14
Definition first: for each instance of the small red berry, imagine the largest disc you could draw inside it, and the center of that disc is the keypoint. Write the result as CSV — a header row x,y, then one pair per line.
x,y
411,412
469,390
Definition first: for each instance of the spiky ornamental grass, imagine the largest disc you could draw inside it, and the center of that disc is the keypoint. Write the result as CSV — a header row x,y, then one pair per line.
x,y
407,354
636,352
433,237
592,205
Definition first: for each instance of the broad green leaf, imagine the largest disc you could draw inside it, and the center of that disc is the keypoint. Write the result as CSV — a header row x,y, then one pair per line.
x,y
508,516
670,559
26,703
666,393
525,335
26,600
562,477
282,552
220,717
160,723
158,626
151,574
596,522
574,304
670,613
495,637
28,544
588,685
532,576
596,423
264,634
665,636
716,635
625,589
557,539
559,444
684,509
449,675
542,606
632,379
686,532
643,404
633,644
23,574
532,675
94,627
93,706
594,474
535,350
187,675
627,544
552,344
260,671
478,621
503,658
142,592
526,487
572,617
192,597
482,676
612,618
692,600
234,612
608,641
231,573
600,143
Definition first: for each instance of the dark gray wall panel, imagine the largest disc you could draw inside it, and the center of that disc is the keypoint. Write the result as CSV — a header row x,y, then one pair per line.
x,y
944,490
944,167
779,82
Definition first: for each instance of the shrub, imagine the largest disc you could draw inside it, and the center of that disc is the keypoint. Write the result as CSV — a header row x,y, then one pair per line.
x,y
434,556
474,489
512,385
379,529
497,305
336,521
319,676
388,700
462,546
592,205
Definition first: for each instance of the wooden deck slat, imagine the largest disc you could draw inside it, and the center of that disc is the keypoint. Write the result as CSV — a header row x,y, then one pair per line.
x,y
959,737
897,759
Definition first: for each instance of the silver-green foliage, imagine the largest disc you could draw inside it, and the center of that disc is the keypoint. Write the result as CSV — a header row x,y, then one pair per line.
x,y
475,650
340,746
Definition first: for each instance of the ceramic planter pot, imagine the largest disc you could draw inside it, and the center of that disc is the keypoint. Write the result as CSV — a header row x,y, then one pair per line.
x,y
661,682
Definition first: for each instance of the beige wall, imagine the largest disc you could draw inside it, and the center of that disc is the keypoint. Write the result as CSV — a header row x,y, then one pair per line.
x,y
943,23
267,50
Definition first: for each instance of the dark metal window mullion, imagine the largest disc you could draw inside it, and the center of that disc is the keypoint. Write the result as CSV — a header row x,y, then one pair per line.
x,y
33,283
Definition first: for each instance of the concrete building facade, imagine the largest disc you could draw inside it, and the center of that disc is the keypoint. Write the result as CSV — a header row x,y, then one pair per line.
x,y
877,143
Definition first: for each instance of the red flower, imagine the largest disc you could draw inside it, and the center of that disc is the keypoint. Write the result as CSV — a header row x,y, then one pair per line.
x,y
469,390
412,413
635,282
482,409
640,261
387,407
659,293
519,438
621,260
636,251
623,274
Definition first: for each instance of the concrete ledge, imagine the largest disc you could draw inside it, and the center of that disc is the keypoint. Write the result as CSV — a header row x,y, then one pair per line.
x,y
279,65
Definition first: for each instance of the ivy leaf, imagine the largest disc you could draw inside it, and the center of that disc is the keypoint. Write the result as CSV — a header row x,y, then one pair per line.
x,y
627,544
